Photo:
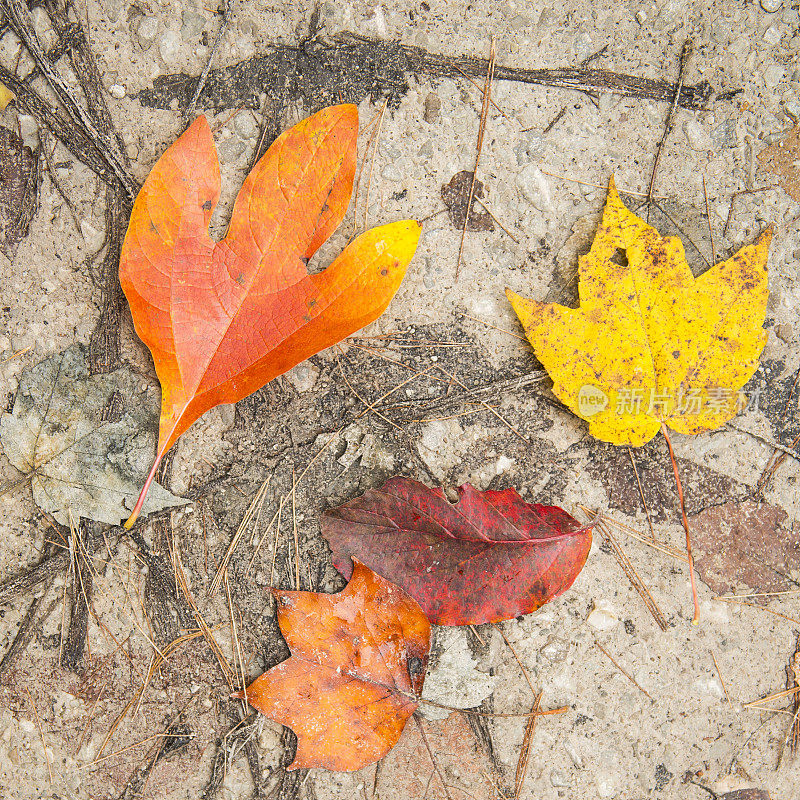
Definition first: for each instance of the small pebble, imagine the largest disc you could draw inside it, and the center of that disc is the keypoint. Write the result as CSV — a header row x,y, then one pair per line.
x,y
117,90
535,187
391,173
602,619
697,136
169,46
433,105
147,31
771,6
29,131
245,125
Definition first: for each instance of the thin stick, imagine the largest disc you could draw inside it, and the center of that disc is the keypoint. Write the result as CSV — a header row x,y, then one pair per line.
x,y
432,757
633,576
641,494
525,750
522,715
623,671
372,161
771,697
489,325
296,540
486,406
627,192
685,520
201,82
708,219
756,594
499,224
761,608
256,505
487,92
238,658
657,545
16,355
368,126
41,736
481,90
275,544
686,52
521,665
724,687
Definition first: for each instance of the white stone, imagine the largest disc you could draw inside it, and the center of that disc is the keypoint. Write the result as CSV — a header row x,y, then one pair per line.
x,y
771,6
169,47
391,173
773,75
147,30
772,35
93,237
602,618
697,136
117,90
29,131
535,188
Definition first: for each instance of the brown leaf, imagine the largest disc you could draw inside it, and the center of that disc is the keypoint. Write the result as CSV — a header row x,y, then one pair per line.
x,y
745,543
407,772
782,159
455,196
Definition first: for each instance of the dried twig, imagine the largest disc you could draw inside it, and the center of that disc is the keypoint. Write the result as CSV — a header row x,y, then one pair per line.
x,y
685,521
487,91
633,576
686,52
524,752
622,670
201,81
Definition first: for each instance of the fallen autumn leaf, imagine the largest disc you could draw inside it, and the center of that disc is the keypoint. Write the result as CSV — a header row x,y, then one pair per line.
x,y
491,556
224,318
651,342
355,675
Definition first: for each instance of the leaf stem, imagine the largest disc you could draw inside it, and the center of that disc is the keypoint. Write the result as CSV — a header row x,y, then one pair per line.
x,y
684,519
143,494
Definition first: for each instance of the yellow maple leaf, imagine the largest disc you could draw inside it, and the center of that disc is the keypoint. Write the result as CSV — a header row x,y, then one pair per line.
x,y
6,96
649,341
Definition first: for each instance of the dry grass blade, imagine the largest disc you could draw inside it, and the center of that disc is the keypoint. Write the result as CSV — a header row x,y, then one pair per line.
x,y
487,96
41,736
719,675
524,753
254,509
633,576
685,521
622,670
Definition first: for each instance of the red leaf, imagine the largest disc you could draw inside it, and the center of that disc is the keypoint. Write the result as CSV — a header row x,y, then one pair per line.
x,y
491,556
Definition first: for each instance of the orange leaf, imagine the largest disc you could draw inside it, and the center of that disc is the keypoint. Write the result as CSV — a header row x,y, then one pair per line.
x,y
223,318
358,662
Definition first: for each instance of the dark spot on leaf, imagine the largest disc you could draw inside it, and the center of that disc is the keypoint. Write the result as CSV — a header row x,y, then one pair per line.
x,y
207,205
384,272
